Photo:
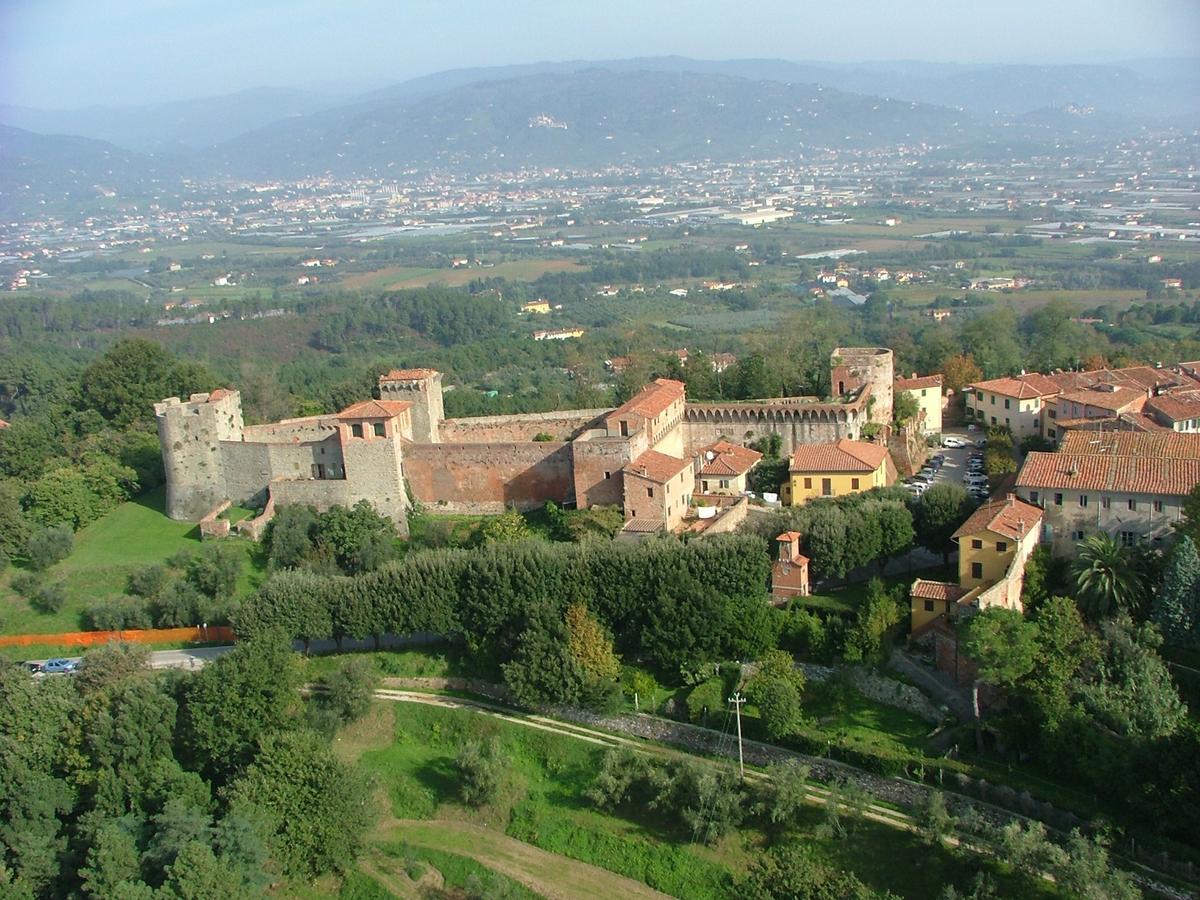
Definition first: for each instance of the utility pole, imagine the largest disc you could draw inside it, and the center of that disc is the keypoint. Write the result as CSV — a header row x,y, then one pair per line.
x,y
737,700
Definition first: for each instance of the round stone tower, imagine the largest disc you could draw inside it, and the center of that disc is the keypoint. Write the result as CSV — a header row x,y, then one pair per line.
x,y
869,369
190,434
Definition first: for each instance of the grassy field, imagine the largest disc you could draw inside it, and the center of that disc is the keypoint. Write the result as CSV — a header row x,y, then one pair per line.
x,y
134,535
395,277
410,751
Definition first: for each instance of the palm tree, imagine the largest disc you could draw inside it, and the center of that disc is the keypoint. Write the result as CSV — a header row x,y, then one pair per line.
x,y
1105,577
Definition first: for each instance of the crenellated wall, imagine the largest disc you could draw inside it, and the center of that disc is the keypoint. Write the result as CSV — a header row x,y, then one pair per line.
x,y
562,426
486,478
795,421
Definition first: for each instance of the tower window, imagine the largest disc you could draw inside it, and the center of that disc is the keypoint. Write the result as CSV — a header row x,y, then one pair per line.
x,y
356,430
379,429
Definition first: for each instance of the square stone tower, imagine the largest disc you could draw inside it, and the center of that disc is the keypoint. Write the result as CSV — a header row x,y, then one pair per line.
x,y
423,389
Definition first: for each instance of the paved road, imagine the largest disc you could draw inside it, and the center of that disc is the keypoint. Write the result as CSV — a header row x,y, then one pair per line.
x,y
194,658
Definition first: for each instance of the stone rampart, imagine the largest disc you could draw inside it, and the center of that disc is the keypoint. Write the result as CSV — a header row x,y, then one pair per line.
x,y
562,425
795,421
486,478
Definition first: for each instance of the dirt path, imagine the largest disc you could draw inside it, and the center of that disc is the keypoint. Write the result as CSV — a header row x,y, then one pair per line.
x,y
548,874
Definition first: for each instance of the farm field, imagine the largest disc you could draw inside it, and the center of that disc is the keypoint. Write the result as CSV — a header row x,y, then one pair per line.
x,y
396,277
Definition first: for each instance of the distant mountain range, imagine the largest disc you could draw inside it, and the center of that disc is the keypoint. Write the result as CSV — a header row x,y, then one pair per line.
x,y
594,113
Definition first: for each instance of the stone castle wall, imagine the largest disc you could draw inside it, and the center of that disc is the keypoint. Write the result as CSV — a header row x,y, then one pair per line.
x,y
796,424
249,466
486,478
563,425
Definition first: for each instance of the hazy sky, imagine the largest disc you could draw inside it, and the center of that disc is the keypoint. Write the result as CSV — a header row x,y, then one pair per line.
x,y
66,53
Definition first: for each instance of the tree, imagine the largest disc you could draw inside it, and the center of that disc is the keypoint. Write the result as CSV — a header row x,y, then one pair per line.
x,y
359,539
787,792
1105,580
960,370
507,527
1003,645
289,536
1135,694
590,645
315,808
905,408
111,664
235,700
112,867
48,546
544,670
349,688
874,619
935,821
938,514
481,771
1190,524
124,384
779,708
794,872
708,801
1174,610
1065,647
215,569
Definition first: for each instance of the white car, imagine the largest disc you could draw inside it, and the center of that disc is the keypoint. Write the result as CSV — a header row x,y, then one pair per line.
x,y
953,442
973,479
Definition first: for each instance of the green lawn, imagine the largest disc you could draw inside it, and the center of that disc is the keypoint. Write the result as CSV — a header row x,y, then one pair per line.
x,y
543,804
133,535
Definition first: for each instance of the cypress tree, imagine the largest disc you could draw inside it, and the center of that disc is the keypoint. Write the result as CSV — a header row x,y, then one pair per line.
x,y
1174,610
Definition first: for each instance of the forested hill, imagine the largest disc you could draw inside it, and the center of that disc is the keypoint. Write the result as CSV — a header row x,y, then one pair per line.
x,y
587,118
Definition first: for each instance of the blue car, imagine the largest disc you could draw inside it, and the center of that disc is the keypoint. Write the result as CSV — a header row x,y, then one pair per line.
x,y
59,666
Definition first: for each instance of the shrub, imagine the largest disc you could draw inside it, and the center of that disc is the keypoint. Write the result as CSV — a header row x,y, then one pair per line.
x,y
117,614
49,598
708,695
176,606
49,546
481,772
215,570
349,688
148,582
25,583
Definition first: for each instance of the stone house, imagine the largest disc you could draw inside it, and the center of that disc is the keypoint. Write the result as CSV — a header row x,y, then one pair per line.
x,y
723,467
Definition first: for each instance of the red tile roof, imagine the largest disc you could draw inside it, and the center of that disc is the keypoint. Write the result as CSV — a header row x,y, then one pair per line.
x,y
916,384
842,456
1160,445
727,459
1017,388
923,589
1176,407
407,375
652,400
1010,518
219,394
643,526
1145,474
1119,399
789,536
657,467
375,409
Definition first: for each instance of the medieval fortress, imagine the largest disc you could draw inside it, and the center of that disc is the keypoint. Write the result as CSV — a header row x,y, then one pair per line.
x,y
401,446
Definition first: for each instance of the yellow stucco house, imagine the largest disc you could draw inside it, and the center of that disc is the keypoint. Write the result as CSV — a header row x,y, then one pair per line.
x,y
927,391
836,469
993,547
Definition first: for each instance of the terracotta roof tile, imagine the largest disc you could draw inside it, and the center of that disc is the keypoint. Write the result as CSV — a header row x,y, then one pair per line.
x,y
727,459
790,536
643,526
375,409
651,400
916,384
1145,474
1118,399
1009,517
842,456
1160,445
657,467
923,589
1176,407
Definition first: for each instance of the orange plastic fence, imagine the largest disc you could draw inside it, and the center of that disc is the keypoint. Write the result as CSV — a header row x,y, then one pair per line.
x,y
137,636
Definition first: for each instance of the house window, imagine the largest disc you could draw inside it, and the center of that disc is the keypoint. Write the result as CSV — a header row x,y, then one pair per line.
x,y
854,484
928,606
724,482
1128,538
1132,504
356,430
607,475
1008,421
993,420
1053,414
1033,496
976,570
993,399
379,429
624,428
1083,500
979,396
1007,404
1077,535
1058,499
976,544
826,487
1158,506
1105,502
808,484
649,492
1001,546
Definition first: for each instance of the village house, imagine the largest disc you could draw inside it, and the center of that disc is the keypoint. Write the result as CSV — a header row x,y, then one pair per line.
x,y
927,391
558,334
836,469
539,307
658,491
723,467
1129,485
994,544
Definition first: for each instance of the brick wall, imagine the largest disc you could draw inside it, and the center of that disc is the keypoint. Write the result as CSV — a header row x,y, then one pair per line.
x,y
597,464
562,426
485,478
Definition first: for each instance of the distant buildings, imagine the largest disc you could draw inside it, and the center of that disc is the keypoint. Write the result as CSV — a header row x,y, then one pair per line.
x,y
558,334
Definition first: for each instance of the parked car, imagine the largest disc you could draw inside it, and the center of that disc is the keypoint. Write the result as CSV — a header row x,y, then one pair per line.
x,y
924,478
953,442
938,459
981,443
971,478
59,666
33,668
916,488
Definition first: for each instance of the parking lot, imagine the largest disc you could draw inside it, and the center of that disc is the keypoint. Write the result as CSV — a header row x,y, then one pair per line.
x,y
955,466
